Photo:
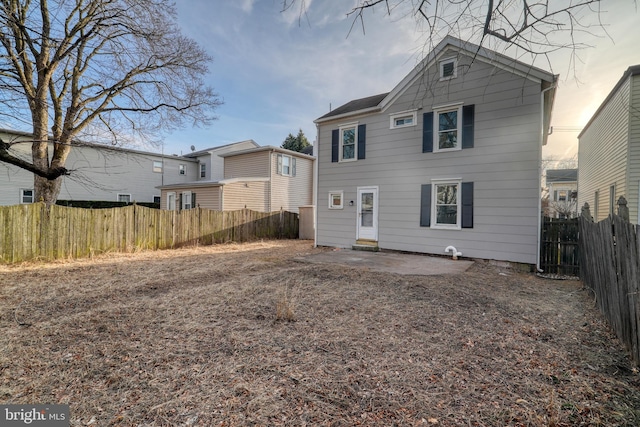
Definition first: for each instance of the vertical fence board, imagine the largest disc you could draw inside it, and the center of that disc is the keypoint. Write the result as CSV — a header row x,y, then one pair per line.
x,y
36,231
610,267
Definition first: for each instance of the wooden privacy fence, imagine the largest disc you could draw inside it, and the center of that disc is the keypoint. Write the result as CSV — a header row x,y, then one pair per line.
x,y
559,249
610,267
35,231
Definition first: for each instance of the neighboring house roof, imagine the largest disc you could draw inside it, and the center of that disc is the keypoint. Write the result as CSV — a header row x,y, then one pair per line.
x,y
79,143
268,148
200,184
562,175
213,149
381,102
631,71
308,150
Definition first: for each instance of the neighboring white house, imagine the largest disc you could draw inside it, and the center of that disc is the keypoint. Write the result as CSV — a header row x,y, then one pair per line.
x,y
562,185
105,173
450,157
264,179
609,151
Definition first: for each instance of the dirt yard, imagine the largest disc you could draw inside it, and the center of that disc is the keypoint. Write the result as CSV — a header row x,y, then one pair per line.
x,y
236,335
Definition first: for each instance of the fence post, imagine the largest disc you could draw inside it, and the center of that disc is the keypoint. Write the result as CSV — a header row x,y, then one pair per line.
x,y
623,209
585,212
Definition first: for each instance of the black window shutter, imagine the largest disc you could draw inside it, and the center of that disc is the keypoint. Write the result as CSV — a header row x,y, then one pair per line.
x,y
335,145
362,130
427,132
193,200
425,206
467,205
180,202
468,118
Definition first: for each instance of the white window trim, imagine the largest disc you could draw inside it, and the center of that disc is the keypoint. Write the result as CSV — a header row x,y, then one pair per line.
x,y
434,199
402,114
285,156
436,126
158,166
444,61
355,141
169,207
336,193
123,194
184,200
22,190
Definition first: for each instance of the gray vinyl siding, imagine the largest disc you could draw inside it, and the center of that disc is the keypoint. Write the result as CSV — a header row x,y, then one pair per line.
x,y
603,154
12,178
252,195
255,164
100,173
291,192
503,165
633,195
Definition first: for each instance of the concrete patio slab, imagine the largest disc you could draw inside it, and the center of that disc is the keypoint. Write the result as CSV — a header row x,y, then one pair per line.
x,y
391,262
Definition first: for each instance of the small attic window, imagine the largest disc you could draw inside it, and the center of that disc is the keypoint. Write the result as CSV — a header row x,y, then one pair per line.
x,y
448,69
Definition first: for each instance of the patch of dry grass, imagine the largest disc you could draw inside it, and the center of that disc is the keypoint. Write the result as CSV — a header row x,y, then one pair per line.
x,y
190,337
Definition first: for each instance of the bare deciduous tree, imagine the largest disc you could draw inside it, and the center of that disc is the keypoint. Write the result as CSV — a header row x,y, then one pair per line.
x,y
111,69
537,27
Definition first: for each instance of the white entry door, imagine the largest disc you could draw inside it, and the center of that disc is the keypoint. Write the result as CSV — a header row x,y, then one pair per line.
x,y
367,213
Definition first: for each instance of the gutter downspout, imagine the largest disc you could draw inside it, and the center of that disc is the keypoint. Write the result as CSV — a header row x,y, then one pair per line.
x,y
315,187
542,134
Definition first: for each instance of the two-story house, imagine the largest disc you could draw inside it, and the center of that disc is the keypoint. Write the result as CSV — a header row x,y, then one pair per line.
x,y
609,151
263,179
449,157
562,185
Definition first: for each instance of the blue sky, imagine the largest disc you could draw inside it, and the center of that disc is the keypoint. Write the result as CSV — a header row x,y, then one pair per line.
x,y
277,73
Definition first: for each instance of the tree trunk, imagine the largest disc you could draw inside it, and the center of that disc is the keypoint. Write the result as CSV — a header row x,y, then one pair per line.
x,y
47,190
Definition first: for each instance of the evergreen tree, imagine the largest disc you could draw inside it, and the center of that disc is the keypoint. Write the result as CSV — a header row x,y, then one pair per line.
x,y
296,143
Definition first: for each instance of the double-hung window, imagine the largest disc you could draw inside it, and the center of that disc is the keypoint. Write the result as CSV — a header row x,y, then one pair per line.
x,y
203,170
182,169
446,205
157,166
348,138
186,200
448,128
126,198
348,143
286,165
26,195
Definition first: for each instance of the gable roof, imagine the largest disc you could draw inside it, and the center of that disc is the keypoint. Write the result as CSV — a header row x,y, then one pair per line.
x,y
99,146
631,71
214,149
562,175
267,148
381,102
356,105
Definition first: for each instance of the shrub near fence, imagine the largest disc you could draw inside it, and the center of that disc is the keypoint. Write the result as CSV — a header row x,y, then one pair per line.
x,y
36,231
610,267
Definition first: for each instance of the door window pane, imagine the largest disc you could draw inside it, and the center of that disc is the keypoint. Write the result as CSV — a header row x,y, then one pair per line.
x,y
366,213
